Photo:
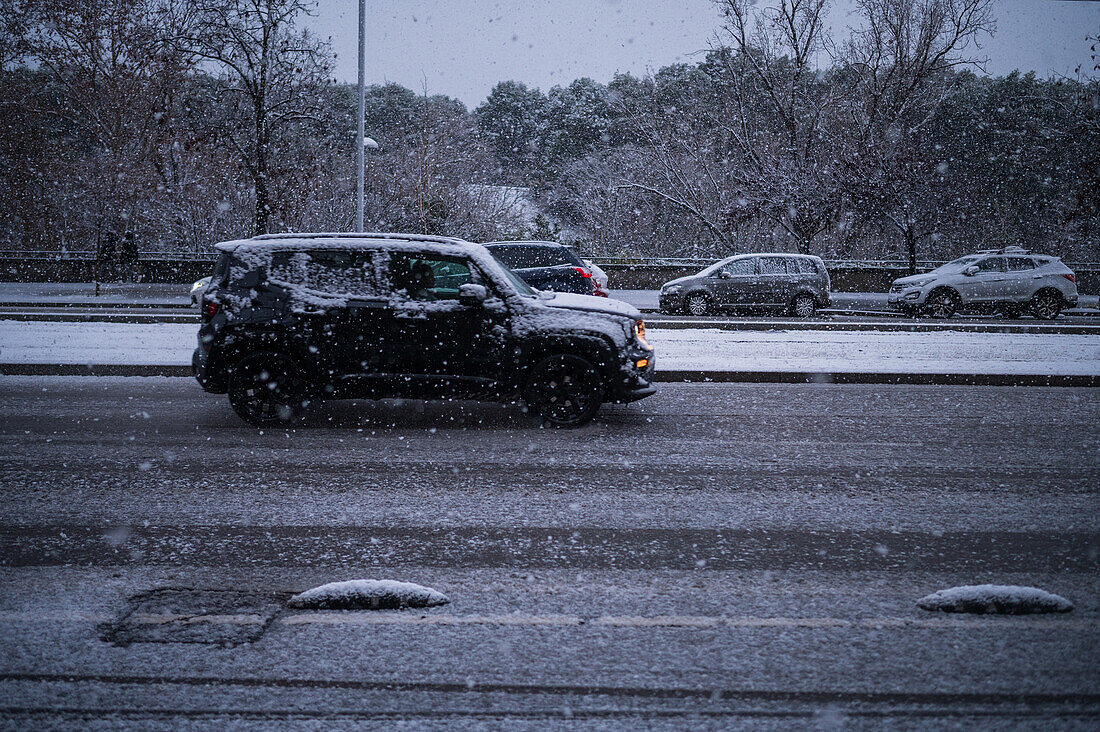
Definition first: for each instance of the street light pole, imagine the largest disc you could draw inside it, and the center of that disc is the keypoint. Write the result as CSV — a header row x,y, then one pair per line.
x,y
360,151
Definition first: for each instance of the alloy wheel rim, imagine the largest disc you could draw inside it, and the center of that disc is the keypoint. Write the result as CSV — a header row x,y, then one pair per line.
x,y
1045,307
804,307
565,390
941,306
697,305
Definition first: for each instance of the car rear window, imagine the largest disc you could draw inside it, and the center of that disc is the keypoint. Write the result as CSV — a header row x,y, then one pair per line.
x,y
525,257
799,265
771,266
331,271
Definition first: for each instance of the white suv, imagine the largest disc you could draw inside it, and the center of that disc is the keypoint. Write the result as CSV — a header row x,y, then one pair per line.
x,y
1009,280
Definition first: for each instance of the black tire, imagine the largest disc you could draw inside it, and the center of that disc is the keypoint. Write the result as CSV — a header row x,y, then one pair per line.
x,y
697,304
267,390
941,304
565,390
1046,304
803,306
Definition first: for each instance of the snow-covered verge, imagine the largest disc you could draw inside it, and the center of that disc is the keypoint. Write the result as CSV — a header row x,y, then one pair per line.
x,y
368,594
876,352
28,342
1000,599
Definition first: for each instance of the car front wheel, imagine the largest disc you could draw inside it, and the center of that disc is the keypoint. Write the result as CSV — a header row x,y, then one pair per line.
x,y
565,390
697,304
267,390
940,304
1046,305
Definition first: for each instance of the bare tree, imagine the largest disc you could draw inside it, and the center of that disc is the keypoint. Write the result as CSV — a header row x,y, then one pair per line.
x,y
275,69
102,57
900,67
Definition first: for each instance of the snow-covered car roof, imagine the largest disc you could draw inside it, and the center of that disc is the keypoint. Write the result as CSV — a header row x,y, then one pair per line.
x,y
345,240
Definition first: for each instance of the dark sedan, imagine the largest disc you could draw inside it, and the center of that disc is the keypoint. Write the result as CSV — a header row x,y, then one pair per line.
x,y
545,265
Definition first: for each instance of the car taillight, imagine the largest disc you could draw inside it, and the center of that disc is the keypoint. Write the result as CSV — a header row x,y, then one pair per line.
x,y
583,272
1071,277
209,308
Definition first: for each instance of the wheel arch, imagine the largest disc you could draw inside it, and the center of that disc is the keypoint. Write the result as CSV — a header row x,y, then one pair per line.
x,y
595,348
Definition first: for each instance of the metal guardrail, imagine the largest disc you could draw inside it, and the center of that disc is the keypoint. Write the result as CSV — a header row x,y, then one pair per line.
x,y
90,256
706,262
830,263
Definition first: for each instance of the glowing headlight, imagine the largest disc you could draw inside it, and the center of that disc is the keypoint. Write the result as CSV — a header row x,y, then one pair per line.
x,y
639,331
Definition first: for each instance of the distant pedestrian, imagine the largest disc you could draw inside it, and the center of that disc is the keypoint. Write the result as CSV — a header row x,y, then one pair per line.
x,y
128,257
105,255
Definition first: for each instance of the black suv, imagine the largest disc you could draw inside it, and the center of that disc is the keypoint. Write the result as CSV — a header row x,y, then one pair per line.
x,y
545,265
288,319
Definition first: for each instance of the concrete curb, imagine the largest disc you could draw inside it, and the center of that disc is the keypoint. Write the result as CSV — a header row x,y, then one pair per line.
x,y
701,377
882,326
856,377
80,369
657,323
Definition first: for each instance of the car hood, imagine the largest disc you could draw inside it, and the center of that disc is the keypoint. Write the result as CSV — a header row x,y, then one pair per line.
x,y
608,306
913,278
679,280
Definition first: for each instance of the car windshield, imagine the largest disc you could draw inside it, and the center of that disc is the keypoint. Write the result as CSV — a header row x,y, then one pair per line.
x,y
715,267
956,265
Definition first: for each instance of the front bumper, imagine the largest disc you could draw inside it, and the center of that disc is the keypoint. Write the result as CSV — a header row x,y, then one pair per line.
x,y
633,383
670,303
905,300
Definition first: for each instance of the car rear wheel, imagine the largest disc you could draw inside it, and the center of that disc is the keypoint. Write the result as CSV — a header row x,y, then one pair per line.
x,y
941,304
565,390
267,390
803,306
697,304
1046,305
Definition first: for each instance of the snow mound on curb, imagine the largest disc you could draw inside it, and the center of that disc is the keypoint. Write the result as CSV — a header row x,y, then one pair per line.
x,y
1002,599
367,595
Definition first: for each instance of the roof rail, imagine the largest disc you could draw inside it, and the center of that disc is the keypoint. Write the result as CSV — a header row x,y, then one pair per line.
x,y
360,235
1005,250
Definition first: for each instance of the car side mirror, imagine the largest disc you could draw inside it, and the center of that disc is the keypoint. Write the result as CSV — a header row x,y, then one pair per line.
x,y
472,295
723,274
253,278
971,270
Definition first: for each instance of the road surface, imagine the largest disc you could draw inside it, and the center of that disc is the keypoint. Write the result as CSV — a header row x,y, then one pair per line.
x,y
719,554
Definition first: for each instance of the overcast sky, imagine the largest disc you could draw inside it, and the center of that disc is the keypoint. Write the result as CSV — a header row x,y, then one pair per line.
x,y
462,48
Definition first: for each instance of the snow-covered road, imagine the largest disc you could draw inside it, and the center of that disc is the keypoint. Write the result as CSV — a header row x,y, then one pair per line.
x,y
688,349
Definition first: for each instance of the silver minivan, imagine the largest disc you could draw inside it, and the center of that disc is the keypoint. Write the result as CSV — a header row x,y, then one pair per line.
x,y
797,284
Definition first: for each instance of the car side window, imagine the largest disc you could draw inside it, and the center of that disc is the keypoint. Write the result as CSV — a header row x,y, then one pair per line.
x,y
331,271
739,268
1019,264
772,266
992,264
428,277
799,266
